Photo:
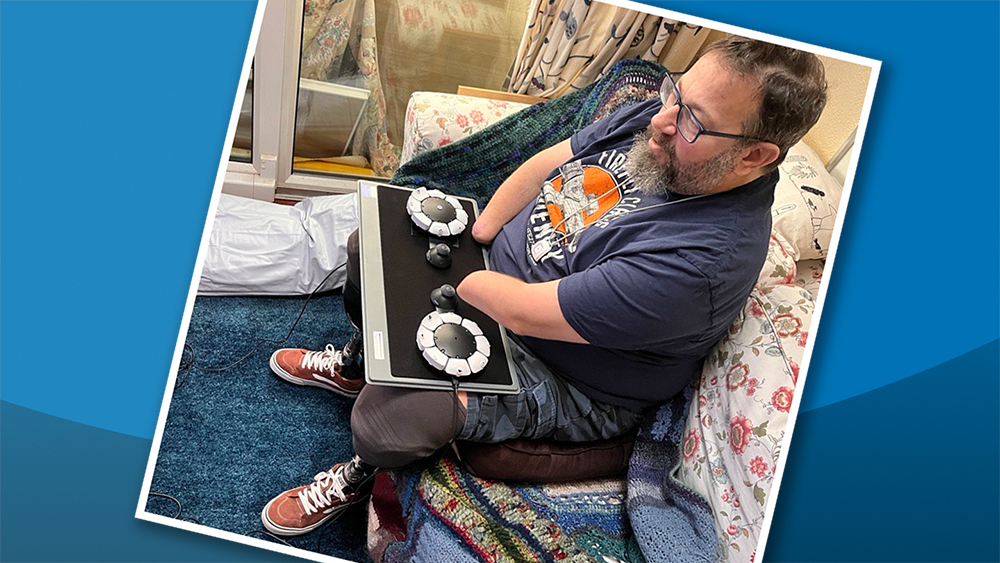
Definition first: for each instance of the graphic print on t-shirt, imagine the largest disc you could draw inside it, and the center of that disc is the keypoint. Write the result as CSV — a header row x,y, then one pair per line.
x,y
581,195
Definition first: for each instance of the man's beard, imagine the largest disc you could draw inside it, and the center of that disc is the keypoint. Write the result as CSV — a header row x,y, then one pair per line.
x,y
653,178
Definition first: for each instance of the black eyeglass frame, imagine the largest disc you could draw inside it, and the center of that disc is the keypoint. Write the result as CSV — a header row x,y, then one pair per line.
x,y
665,93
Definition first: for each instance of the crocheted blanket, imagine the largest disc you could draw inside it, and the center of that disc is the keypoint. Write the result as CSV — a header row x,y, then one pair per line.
x,y
476,165
440,512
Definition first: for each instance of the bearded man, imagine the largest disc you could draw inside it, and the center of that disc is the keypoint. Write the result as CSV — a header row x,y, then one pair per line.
x,y
618,258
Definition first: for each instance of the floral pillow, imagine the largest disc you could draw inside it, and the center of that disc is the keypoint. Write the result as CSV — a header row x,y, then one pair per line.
x,y
806,201
809,275
434,119
734,435
779,266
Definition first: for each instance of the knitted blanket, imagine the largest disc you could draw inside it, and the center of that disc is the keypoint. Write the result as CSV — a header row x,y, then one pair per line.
x,y
447,514
440,512
476,165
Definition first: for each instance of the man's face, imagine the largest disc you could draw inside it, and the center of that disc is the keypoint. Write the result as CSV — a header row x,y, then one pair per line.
x,y
661,160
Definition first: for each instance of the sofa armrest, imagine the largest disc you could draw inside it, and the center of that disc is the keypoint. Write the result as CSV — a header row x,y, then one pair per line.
x,y
434,119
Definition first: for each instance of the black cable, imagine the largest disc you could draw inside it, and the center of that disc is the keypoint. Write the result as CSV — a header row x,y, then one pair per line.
x,y
454,420
180,508
168,497
268,534
186,365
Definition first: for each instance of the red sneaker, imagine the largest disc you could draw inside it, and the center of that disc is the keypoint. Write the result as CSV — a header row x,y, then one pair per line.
x,y
315,368
303,509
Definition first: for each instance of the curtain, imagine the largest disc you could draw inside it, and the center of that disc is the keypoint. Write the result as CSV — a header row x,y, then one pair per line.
x,y
339,45
568,44
393,48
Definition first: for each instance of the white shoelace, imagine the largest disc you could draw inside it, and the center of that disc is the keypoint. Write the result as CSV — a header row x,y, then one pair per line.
x,y
323,360
320,494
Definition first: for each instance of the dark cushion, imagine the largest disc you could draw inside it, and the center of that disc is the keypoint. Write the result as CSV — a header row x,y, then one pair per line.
x,y
546,461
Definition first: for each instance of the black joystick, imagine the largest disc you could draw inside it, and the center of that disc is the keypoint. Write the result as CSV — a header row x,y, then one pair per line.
x,y
445,298
439,256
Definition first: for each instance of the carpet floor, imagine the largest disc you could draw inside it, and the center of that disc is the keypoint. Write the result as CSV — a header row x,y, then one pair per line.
x,y
234,439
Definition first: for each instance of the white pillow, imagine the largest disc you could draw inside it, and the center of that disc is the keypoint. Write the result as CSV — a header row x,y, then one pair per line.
x,y
806,201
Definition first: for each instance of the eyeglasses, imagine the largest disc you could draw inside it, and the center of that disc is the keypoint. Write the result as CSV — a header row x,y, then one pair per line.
x,y
687,124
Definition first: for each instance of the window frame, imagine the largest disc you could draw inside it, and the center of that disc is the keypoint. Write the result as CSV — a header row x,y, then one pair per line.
x,y
269,174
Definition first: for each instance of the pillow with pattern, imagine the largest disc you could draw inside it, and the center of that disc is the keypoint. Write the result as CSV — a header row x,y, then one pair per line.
x,y
735,430
806,201
779,266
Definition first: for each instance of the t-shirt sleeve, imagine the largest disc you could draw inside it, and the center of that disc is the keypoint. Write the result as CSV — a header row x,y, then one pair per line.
x,y
635,301
626,120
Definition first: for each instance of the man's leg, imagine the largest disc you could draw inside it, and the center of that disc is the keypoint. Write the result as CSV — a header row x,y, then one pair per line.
x,y
395,426
392,427
352,286
331,369
547,407
352,302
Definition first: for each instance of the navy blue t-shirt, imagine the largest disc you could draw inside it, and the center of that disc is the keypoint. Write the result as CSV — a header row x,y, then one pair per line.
x,y
651,289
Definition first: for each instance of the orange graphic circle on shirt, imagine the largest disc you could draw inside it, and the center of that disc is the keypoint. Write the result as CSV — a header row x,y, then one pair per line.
x,y
600,193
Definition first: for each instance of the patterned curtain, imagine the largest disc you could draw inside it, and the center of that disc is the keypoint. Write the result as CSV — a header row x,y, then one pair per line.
x,y
568,44
339,45
422,45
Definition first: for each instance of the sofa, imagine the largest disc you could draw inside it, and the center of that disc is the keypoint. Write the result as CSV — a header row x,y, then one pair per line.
x,y
735,426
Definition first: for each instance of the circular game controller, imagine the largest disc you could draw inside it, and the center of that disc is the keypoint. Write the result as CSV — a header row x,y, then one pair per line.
x,y
437,213
450,343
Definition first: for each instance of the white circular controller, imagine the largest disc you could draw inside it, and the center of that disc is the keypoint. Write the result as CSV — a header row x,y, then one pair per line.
x,y
453,344
436,212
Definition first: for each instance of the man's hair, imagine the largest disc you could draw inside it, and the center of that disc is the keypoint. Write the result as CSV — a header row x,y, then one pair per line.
x,y
791,90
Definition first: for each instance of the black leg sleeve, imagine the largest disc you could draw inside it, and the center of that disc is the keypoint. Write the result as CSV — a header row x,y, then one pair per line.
x,y
352,288
393,426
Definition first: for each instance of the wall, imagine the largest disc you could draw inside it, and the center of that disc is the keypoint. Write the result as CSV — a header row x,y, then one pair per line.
x,y
848,83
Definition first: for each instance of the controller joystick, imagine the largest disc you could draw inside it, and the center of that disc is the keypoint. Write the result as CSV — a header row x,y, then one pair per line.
x,y
439,256
445,298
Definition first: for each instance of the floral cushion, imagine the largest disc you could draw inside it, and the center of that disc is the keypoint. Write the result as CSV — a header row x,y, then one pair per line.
x,y
734,435
434,119
779,266
805,204
809,276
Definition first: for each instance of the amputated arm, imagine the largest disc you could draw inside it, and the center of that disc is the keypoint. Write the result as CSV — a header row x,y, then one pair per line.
x,y
527,309
517,190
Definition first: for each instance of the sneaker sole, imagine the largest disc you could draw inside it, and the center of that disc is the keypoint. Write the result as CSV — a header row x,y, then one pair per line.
x,y
286,532
306,382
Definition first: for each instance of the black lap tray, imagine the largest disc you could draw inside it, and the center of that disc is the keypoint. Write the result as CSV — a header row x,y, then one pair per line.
x,y
396,285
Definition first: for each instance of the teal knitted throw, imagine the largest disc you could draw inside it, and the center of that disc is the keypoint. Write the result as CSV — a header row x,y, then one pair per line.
x,y
476,165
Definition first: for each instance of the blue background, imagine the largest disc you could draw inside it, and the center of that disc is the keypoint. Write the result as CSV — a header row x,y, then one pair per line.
x,y
112,122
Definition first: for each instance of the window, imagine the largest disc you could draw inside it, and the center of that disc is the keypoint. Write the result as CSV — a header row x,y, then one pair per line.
x,y
243,141
332,79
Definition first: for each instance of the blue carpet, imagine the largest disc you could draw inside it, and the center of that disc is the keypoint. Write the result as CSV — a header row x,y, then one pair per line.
x,y
234,439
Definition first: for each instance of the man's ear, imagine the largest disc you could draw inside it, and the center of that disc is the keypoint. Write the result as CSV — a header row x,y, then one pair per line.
x,y
757,156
